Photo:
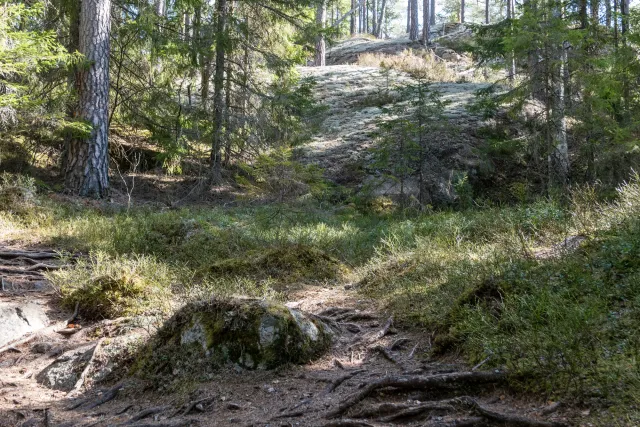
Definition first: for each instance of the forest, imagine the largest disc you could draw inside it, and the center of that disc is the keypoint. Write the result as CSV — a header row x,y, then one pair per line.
x,y
337,213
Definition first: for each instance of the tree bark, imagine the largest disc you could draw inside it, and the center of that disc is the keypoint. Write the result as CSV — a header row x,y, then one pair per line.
x,y
321,19
218,89
381,18
354,5
374,18
159,6
409,4
486,12
414,31
432,13
87,168
426,28
462,11
607,5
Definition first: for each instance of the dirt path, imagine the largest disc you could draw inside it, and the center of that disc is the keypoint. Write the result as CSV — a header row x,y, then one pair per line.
x,y
369,350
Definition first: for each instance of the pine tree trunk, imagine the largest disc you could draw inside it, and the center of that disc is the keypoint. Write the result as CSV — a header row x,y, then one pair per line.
x,y
409,3
218,90
87,168
607,4
559,158
486,12
462,11
159,6
321,19
426,28
432,13
353,17
374,18
414,33
511,63
624,12
381,18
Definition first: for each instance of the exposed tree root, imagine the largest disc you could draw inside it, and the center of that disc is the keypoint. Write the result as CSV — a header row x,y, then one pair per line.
x,y
106,397
510,419
146,413
382,332
25,254
381,410
347,423
386,354
418,383
338,381
418,410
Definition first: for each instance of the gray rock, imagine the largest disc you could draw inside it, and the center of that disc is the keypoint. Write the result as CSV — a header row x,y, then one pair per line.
x,y
20,319
65,371
41,347
251,334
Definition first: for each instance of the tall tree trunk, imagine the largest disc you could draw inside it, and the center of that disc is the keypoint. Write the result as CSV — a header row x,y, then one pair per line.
x,y
595,12
462,11
432,13
159,6
87,168
218,91
486,12
374,18
366,17
559,158
409,4
511,63
414,33
624,12
321,19
354,5
426,28
607,5
381,18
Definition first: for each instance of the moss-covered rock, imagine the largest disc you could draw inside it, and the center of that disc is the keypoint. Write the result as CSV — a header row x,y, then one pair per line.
x,y
253,334
287,263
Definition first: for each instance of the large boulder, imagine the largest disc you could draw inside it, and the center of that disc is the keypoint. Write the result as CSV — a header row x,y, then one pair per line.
x,y
250,333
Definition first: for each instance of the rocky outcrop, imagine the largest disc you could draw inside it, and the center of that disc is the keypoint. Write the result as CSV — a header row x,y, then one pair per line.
x,y
20,319
249,333
356,98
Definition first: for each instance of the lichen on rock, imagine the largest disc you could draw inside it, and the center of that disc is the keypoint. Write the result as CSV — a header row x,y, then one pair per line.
x,y
250,333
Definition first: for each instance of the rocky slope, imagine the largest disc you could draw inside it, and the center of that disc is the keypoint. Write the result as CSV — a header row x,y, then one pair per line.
x,y
356,97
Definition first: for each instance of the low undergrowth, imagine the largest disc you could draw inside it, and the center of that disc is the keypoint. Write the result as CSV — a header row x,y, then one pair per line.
x,y
413,62
489,281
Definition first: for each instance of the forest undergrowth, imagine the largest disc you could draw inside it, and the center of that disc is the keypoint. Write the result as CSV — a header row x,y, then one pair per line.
x,y
546,289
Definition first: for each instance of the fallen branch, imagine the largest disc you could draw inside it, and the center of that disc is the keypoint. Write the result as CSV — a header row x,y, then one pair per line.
x,y
418,383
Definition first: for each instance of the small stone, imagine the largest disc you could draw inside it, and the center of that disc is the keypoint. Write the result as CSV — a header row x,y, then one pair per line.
x,y
271,390
233,406
41,347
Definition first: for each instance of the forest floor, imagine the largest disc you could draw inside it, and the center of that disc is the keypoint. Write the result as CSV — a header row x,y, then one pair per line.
x,y
412,278
371,349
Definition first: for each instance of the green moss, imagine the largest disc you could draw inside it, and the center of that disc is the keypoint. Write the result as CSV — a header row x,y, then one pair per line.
x,y
253,334
286,263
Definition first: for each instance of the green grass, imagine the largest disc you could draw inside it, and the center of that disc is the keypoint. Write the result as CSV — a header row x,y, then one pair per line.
x,y
564,326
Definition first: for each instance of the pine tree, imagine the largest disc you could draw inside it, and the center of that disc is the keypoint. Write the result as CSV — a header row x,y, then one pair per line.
x,y
87,161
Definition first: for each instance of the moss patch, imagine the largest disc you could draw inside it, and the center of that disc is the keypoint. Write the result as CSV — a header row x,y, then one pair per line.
x,y
285,263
